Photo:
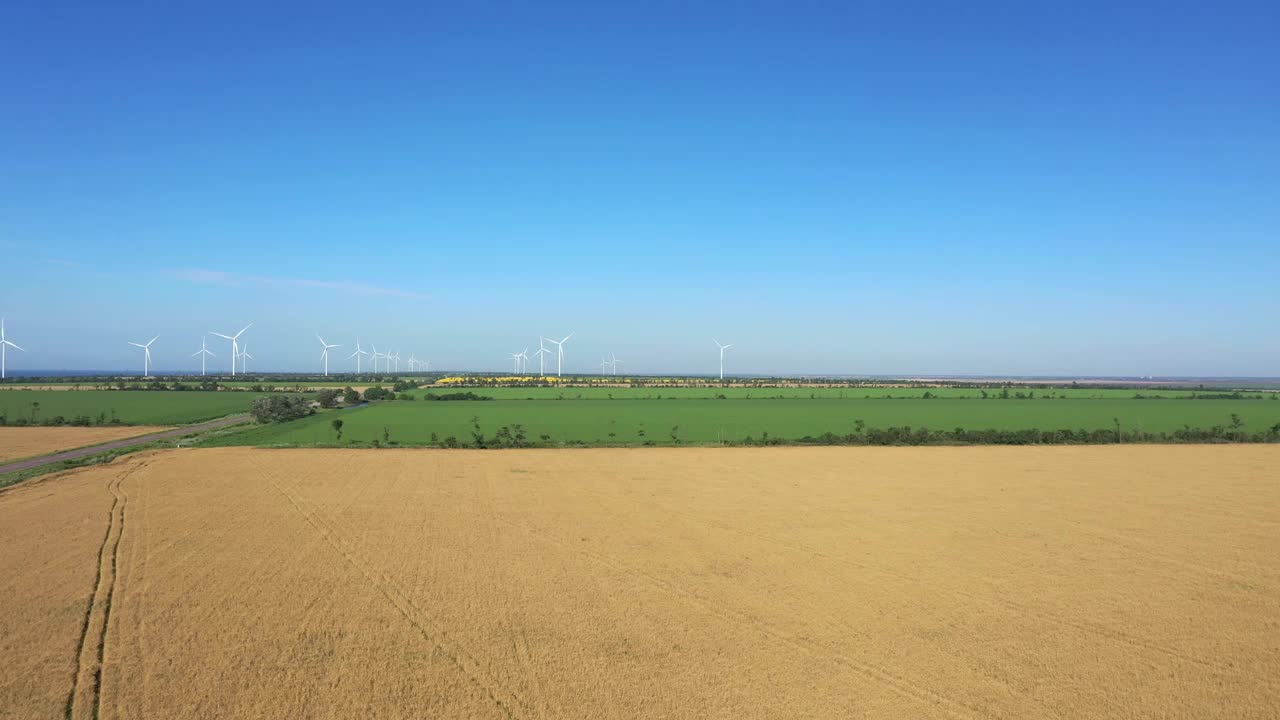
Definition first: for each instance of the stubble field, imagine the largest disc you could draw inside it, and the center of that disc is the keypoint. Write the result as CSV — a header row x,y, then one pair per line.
x,y
737,583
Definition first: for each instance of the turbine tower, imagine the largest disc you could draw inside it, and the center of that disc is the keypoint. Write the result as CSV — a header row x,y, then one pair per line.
x,y
204,354
375,356
722,349
614,362
5,344
146,355
324,354
560,352
357,355
542,354
235,347
244,355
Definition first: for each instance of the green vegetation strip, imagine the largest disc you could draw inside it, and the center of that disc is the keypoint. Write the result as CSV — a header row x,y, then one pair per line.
x,y
800,393
697,421
127,407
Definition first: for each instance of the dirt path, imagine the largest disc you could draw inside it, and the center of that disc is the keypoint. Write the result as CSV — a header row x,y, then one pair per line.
x,y
117,444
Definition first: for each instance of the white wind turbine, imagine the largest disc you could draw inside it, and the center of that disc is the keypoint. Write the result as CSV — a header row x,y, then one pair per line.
x,y
204,354
396,357
560,352
375,356
146,355
604,365
412,362
614,362
357,355
5,344
244,355
235,347
515,363
324,355
722,349
542,354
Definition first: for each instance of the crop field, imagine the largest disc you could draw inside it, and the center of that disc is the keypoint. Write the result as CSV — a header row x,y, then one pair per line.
x,y
23,442
793,393
708,421
135,407
1049,582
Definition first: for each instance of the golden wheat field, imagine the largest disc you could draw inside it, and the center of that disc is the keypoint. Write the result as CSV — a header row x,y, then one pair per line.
x,y
23,442
1091,582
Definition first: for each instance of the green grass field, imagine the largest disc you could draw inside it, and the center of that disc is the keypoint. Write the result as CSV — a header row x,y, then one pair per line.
x,y
142,407
705,421
619,393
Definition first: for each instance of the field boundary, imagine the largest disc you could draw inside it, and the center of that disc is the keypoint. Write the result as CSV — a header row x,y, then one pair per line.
x,y
68,459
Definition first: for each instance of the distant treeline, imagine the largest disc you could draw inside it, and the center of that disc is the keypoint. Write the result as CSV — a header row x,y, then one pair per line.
x,y
516,436
34,420
455,396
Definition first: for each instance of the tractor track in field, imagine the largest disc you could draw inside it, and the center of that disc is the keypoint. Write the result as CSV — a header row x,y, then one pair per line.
x,y
468,662
85,698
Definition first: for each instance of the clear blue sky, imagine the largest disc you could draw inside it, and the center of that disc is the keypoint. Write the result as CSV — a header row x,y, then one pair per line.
x,y
1028,188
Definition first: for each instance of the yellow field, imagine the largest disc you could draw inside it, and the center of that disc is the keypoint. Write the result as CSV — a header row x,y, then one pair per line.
x,y
22,442
1085,582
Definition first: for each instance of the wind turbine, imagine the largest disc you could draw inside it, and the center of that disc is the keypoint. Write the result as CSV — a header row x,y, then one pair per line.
x,y
722,349
394,356
235,347
524,361
604,365
542,354
5,344
412,362
244,355
614,362
357,355
204,354
376,355
560,352
324,355
146,355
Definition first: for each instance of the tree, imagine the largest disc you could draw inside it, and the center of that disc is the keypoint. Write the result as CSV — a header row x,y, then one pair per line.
x,y
337,427
327,398
280,408
351,396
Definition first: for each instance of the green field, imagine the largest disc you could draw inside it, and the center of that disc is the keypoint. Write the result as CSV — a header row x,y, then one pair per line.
x,y
704,421
130,407
652,393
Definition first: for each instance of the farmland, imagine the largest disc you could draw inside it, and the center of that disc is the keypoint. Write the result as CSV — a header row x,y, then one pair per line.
x,y
22,442
772,582
150,407
803,393
637,422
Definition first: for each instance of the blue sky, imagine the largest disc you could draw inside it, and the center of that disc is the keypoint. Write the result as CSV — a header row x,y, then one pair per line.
x,y
986,188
